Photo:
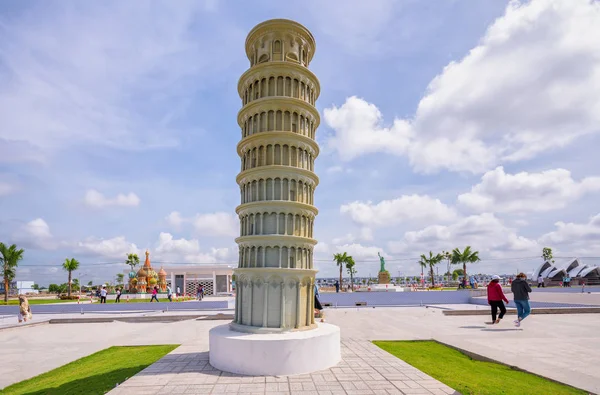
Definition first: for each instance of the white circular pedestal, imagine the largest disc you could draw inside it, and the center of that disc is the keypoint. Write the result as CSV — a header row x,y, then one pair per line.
x,y
275,354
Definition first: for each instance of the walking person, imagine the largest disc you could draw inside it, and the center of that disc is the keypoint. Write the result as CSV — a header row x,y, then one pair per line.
x,y
495,298
178,292
169,293
24,309
118,299
154,294
540,281
337,286
103,293
318,306
521,290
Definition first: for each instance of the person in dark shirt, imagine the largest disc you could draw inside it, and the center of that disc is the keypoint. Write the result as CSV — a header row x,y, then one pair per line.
x,y
521,289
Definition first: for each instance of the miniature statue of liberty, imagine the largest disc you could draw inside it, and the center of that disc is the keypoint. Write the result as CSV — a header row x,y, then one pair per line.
x,y
382,263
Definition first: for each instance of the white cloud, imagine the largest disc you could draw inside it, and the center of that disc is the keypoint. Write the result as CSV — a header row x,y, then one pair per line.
x,y
211,224
217,224
175,219
338,169
359,251
356,250
107,74
484,232
6,188
365,234
36,234
96,199
529,86
522,192
392,212
189,251
348,238
167,244
575,238
521,222
166,248
116,247
359,131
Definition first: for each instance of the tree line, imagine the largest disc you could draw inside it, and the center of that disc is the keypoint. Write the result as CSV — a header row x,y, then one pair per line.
x,y
456,257
10,256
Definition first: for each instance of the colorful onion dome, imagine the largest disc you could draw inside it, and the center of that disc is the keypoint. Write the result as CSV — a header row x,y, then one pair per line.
x,y
131,274
162,273
142,273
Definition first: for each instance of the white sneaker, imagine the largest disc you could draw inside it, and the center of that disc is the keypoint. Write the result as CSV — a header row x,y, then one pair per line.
x,y
517,323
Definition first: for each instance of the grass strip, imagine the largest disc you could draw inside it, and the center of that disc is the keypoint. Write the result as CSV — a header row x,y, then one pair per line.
x,y
86,300
469,376
95,374
15,302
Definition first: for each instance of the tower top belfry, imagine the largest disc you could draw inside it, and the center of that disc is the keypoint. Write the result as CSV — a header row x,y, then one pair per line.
x,y
280,40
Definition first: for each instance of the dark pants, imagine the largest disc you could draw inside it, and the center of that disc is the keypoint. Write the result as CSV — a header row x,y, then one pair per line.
x,y
102,299
497,304
318,305
170,296
118,299
154,297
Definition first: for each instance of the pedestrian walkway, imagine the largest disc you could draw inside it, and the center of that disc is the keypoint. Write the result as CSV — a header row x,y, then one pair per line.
x,y
365,369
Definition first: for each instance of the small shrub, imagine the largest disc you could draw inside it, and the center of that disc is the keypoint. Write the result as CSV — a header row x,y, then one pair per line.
x,y
67,297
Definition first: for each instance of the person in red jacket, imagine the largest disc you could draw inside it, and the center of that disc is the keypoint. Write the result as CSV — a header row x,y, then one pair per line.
x,y
495,298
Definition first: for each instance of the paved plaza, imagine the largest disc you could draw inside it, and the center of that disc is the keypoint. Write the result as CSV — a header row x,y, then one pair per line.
x,y
365,369
563,347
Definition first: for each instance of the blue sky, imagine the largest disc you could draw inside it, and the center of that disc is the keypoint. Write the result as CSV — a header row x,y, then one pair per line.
x,y
443,125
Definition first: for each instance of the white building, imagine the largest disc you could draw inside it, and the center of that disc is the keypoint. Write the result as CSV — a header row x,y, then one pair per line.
x,y
216,278
19,287
574,268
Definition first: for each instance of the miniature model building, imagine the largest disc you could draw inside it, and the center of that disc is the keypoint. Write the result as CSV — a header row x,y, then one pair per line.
x,y
278,122
146,278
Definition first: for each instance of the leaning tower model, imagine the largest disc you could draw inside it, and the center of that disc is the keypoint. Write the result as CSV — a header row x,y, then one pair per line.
x,y
278,121
274,331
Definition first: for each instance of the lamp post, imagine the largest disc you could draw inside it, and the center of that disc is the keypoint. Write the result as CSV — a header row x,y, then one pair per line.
x,y
79,280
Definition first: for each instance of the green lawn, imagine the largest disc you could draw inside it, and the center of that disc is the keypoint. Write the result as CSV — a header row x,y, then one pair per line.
x,y
468,376
147,300
86,300
95,374
14,302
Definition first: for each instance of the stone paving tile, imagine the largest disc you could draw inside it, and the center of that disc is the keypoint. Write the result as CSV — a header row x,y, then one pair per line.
x,y
364,369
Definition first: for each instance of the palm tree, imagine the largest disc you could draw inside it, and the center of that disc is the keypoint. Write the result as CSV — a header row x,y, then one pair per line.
x,y
464,257
341,260
351,270
70,265
431,262
9,260
132,260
